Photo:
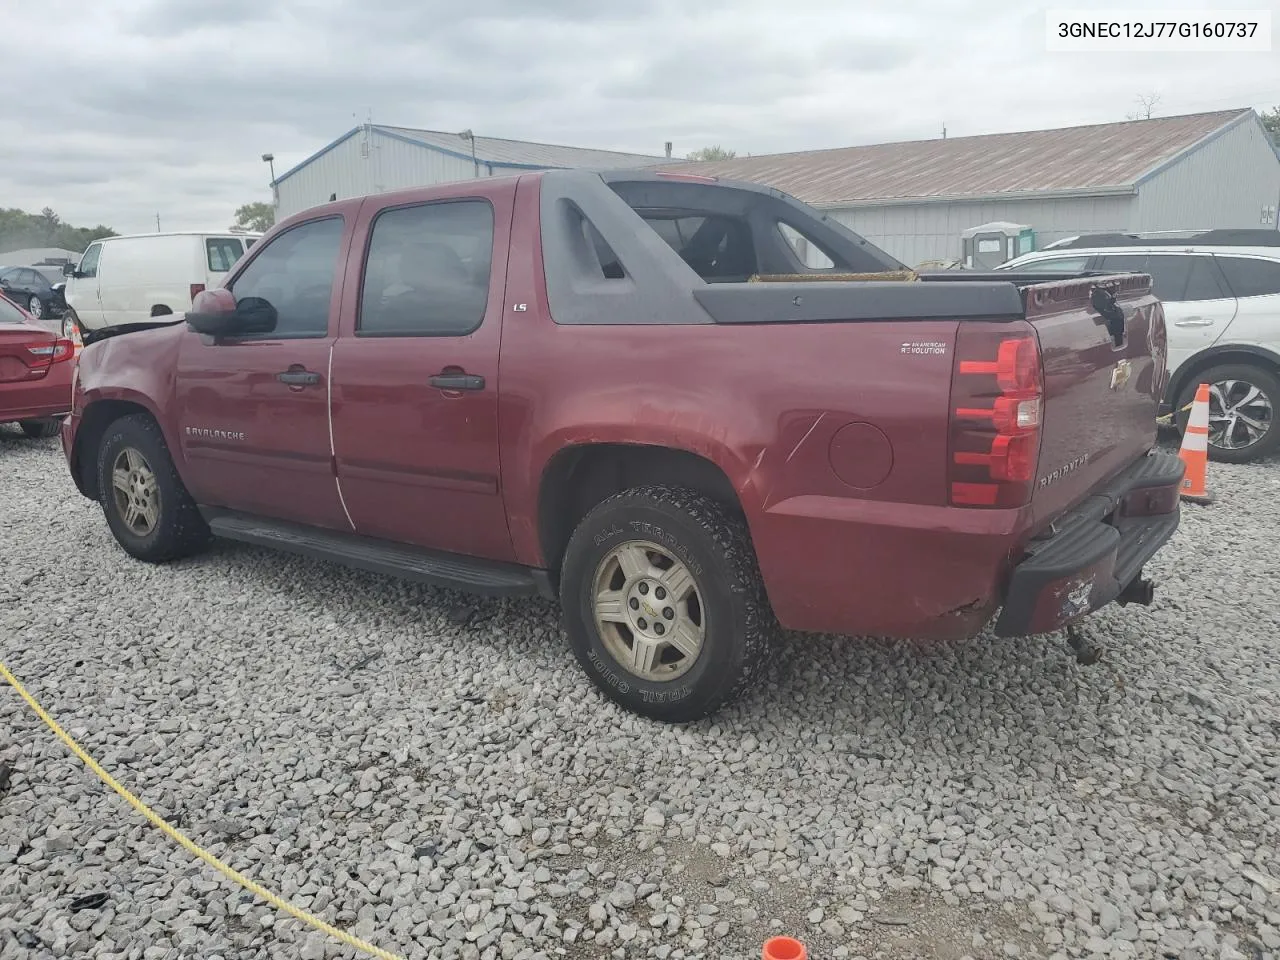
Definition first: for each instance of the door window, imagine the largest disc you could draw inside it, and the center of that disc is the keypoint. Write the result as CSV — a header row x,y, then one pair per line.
x,y
1168,272
427,272
1204,281
89,262
294,273
1251,277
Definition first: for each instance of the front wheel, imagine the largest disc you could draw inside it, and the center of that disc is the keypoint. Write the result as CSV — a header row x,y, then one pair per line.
x,y
41,429
664,605
147,508
71,327
1242,400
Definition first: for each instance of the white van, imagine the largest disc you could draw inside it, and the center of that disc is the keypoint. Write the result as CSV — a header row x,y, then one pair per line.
x,y
127,279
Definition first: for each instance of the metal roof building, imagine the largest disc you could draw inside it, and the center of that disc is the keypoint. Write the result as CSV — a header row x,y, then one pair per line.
x,y
1201,171
374,158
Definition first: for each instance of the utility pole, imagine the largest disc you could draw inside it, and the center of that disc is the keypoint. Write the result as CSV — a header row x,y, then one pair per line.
x,y
944,131
157,221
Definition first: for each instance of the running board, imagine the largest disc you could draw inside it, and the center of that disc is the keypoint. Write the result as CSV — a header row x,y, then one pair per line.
x,y
488,577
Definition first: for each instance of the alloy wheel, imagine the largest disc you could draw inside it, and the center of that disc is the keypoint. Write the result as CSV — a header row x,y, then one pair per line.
x,y
648,611
137,499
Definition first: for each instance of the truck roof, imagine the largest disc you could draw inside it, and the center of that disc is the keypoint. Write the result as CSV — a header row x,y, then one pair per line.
x,y
179,233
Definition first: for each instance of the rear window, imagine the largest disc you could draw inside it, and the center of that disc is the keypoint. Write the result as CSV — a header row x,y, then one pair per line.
x,y
717,247
9,313
223,252
1251,277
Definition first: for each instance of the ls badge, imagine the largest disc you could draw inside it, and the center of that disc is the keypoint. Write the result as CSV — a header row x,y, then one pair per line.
x,y
1120,374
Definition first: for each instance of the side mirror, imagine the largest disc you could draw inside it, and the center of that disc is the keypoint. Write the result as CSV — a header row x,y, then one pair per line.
x,y
217,313
68,269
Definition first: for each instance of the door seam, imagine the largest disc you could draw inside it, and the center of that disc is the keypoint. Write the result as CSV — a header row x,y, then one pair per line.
x,y
333,453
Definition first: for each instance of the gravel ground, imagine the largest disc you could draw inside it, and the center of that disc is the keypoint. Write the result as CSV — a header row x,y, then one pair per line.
x,y
434,773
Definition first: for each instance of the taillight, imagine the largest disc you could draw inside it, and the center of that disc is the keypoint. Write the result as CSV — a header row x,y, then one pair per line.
x,y
43,354
997,406
196,290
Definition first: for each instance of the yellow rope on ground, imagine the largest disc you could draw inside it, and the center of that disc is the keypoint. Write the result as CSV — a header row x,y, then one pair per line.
x,y
186,842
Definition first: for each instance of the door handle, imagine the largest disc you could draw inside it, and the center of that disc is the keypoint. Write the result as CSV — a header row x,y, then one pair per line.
x,y
298,378
457,381
1194,322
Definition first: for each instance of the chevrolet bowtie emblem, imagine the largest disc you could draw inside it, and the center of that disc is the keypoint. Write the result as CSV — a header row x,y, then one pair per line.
x,y
1120,374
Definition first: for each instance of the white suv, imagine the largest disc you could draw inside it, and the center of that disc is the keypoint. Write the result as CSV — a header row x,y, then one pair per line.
x,y
1221,295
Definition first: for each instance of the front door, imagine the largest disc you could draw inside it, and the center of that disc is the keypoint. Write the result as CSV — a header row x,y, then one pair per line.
x,y
84,296
254,411
1198,307
415,373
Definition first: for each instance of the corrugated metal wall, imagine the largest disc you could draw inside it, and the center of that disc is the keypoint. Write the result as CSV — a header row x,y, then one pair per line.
x,y
351,170
916,232
1226,183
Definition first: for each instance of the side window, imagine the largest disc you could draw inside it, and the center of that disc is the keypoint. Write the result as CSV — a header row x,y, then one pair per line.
x,y
1249,277
1204,282
1168,272
89,262
427,272
222,252
805,249
1060,265
294,273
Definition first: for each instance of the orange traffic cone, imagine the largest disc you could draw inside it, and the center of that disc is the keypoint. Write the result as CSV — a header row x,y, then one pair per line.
x,y
1195,449
784,948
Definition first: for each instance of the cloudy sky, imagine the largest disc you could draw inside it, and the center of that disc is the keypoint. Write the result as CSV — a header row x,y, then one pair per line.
x,y
129,108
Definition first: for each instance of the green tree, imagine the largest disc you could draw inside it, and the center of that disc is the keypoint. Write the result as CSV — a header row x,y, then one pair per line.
x,y
258,217
20,230
716,152
1271,120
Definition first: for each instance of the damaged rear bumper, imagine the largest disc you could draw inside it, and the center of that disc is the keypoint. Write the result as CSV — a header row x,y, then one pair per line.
x,y
1095,554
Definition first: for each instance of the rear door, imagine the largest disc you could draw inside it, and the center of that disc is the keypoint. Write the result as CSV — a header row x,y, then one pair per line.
x,y
254,411
415,373
1198,307
1255,280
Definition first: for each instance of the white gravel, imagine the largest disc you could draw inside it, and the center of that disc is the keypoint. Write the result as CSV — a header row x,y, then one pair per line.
x,y
434,772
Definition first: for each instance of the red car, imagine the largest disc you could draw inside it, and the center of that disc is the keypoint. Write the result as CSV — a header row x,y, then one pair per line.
x,y
36,370
635,393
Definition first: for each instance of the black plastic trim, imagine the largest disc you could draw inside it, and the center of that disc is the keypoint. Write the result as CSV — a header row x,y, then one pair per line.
x,y
474,575
806,302
1086,536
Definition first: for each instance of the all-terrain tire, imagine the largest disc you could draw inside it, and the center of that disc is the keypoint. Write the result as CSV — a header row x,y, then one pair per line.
x,y
714,545
179,530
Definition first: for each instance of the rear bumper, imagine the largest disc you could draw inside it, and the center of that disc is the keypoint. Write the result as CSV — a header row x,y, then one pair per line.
x,y
38,399
1095,551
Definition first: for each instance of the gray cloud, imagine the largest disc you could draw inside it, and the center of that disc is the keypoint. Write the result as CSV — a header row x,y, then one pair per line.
x,y
167,105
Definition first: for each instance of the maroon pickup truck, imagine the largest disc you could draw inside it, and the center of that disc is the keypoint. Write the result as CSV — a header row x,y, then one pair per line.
x,y
632,392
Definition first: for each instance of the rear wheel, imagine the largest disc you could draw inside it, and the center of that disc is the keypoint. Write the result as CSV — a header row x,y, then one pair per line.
x,y
41,429
663,603
147,508
35,307
1242,402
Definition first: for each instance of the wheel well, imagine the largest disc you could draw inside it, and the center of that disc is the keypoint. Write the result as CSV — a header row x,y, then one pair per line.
x,y
93,424
160,310
580,477
1266,360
